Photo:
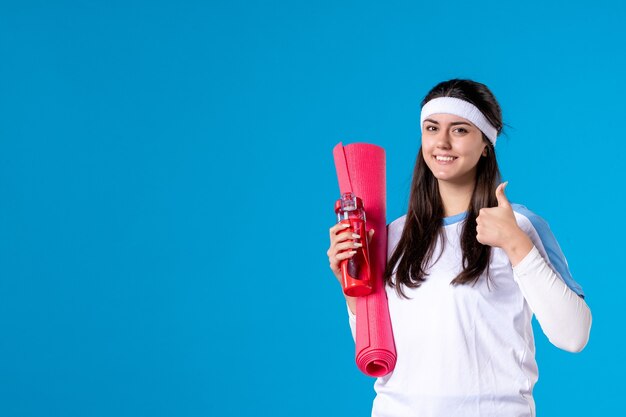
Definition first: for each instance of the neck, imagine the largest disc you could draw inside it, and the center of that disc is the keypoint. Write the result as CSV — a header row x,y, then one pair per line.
x,y
455,197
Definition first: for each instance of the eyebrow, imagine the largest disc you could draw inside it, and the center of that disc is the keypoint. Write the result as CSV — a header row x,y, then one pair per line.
x,y
451,124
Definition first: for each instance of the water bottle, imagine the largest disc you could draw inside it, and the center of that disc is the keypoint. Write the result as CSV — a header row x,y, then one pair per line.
x,y
355,271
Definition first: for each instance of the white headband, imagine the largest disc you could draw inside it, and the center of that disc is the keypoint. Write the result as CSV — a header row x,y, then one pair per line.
x,y
461,108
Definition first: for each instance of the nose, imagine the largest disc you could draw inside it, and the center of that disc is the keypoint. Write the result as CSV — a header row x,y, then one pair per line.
x,y
442,140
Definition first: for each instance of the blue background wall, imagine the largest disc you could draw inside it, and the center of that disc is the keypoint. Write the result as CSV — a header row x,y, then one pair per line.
x,y
166,189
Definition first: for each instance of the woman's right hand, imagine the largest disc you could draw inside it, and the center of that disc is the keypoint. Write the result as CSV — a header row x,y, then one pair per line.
x,y
342,246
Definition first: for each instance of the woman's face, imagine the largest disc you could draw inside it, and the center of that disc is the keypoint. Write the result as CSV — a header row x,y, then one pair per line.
x,y
446,135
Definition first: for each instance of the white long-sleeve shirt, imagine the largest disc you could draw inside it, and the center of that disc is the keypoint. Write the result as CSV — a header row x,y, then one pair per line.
x,y
469,351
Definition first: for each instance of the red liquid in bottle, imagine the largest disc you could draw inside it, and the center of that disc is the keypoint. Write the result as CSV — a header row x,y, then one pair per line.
x,y
355,271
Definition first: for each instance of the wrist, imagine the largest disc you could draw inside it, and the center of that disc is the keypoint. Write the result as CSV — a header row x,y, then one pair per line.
x,y
518,246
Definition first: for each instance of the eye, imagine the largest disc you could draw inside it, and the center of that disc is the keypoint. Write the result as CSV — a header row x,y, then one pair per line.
x,y
461,130
430,128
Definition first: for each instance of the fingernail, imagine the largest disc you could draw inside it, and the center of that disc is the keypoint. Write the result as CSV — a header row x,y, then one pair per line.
x,y
345,224
354,235
353,252
357,244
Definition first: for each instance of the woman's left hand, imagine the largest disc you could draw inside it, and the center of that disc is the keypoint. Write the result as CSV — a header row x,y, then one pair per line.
x,y
496,226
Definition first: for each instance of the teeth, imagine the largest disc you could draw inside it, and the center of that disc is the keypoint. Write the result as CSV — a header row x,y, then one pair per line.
x,y
445,158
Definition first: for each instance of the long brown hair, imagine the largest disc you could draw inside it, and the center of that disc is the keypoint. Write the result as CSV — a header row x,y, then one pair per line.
x,y
423,224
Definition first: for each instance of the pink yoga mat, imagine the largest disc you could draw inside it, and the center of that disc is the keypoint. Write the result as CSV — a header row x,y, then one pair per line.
x,y
361,170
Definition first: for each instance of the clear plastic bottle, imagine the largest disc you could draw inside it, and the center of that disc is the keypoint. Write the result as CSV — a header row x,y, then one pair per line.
x,y
355,271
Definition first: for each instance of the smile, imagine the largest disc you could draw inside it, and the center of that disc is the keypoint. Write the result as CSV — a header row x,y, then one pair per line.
x,y
445,159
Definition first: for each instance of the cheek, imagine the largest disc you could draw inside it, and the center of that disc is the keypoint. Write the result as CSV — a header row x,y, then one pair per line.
x,y
426,152
427,146
472,151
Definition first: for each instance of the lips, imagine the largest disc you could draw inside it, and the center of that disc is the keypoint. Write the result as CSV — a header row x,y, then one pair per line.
x,y
445,158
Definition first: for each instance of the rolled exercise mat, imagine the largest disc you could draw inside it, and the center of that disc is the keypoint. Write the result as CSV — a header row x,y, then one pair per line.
x,y
361,170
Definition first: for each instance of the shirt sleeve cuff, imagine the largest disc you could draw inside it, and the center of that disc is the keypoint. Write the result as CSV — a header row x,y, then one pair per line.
x,y
351,315
352,322
526,265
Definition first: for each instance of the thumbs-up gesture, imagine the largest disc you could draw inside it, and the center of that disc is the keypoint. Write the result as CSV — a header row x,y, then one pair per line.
x,y
496,226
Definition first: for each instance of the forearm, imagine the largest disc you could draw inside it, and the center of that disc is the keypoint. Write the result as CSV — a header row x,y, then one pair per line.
x,y
564,316
352,314
351,303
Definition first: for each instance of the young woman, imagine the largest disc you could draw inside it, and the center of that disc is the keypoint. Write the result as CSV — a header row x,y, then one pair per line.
x,y
466,271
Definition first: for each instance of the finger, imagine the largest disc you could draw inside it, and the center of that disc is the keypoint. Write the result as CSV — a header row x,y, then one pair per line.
x,y
345,255
335,261
502,200
338,227
344,236
348,245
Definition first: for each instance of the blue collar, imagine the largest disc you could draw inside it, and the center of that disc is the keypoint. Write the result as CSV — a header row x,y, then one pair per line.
x,y
454,219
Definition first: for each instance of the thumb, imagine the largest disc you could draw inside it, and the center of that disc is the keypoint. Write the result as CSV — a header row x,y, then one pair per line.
x,y
502,200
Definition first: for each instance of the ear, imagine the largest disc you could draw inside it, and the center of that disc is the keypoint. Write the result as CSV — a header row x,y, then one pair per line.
x,y
485,151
